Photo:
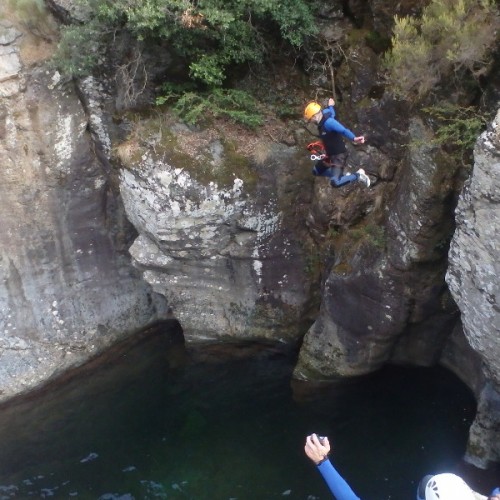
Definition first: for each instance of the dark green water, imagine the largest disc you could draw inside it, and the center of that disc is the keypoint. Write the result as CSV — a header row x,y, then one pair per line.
x,y
225,422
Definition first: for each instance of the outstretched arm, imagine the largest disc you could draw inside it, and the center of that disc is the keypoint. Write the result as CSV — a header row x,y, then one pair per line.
x,y
317,450
332,125
337,484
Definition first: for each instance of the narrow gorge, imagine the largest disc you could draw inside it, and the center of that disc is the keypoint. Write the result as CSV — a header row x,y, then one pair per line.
x,y
116,216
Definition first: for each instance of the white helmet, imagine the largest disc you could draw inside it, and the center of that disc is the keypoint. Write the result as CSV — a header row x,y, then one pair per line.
x,y
447,487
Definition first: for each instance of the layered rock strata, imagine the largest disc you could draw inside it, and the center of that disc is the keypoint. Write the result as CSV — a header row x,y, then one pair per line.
x,y
227,263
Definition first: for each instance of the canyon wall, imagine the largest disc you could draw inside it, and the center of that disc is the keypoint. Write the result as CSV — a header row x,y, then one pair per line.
x,y
68,289
111,222
228,261
473,277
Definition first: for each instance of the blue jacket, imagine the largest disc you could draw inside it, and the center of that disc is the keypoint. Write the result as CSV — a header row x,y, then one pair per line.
x,y
337,484
329,111
332,125
330,130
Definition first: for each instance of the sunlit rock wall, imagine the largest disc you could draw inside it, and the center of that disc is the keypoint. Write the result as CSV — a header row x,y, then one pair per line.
x,y
67,289
226,261
474,280
231,258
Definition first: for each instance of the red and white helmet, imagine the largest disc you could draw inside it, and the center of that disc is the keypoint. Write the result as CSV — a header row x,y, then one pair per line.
x,y
447,487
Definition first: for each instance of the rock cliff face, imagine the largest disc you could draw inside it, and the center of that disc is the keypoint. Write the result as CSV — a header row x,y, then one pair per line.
x,y
239,245
228,263
386,300
67,289
473,278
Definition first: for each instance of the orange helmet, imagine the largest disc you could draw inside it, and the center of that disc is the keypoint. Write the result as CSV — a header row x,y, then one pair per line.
x,y
311,109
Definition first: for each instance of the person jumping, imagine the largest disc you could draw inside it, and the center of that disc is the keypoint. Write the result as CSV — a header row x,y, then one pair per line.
x,y
333,163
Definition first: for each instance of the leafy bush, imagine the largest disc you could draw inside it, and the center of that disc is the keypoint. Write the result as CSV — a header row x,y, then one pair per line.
x,y
450,36
457,127
70,59
195,107
376,235
371,234
377,42
211,35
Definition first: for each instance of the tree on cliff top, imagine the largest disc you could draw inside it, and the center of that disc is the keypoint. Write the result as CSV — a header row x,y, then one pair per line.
x,y
453,39
439,59
210,35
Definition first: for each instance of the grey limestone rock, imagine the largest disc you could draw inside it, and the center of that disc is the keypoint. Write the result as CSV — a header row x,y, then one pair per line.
x,y
67,288
10,67
473,278
222,259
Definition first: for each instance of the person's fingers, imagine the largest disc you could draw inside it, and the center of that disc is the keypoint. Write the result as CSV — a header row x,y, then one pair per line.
x,y
316,444
310,449
312,444
319,445
309,443
326,444
315,440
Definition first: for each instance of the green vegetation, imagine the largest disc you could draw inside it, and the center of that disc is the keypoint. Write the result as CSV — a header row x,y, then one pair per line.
x,y
450,39
211,35
199,107
370,234
445,52
312,262
343,244
377,42
215,40
154,129
70,59
376,235
457,128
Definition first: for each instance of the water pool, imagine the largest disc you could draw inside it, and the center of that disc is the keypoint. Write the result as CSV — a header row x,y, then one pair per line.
x,y
227,422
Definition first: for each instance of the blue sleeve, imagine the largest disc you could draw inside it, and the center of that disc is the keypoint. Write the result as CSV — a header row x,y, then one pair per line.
x,y
337,484
332,125
330,110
